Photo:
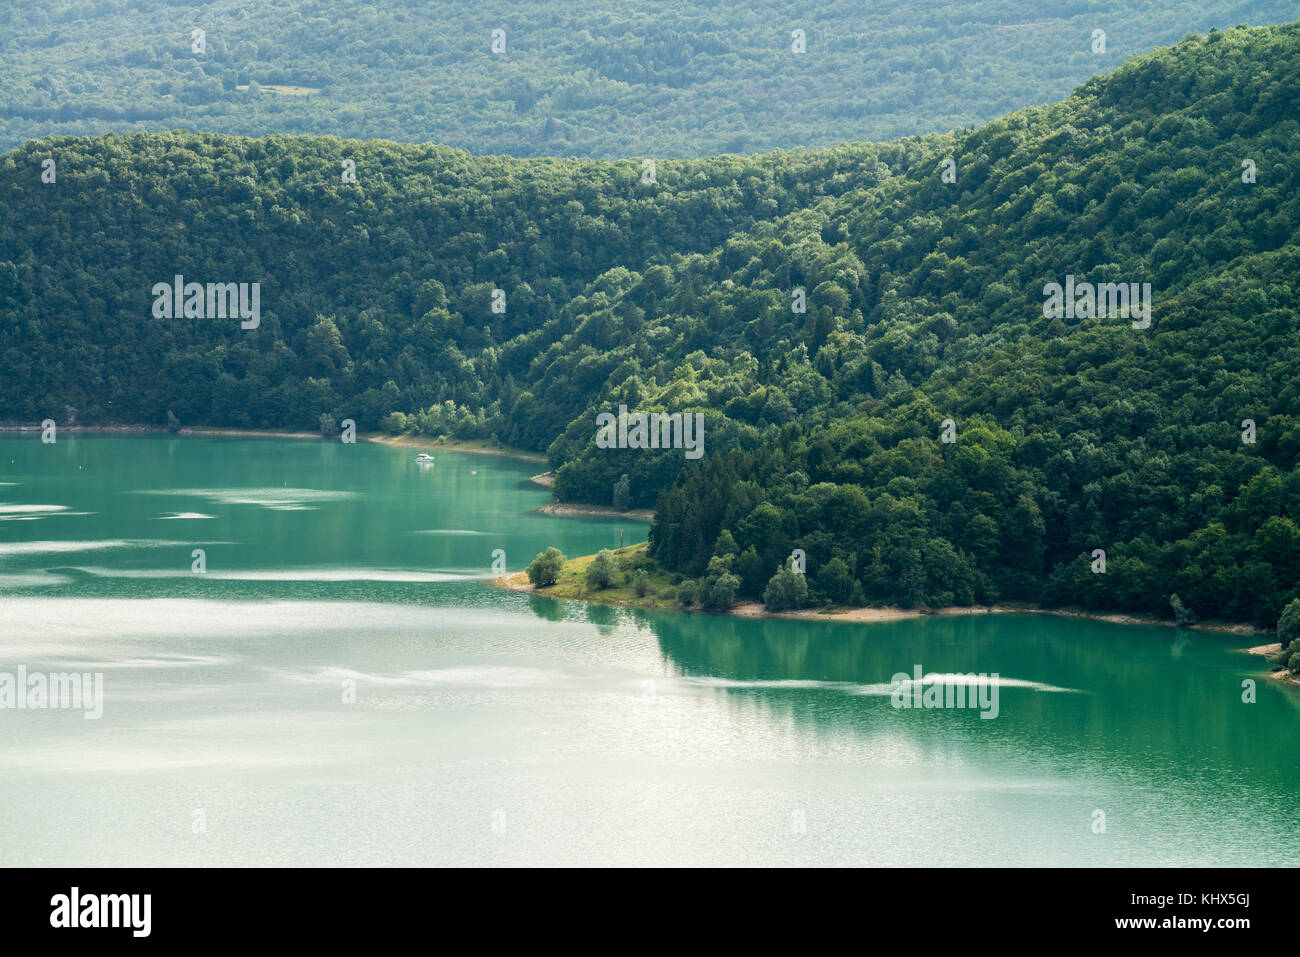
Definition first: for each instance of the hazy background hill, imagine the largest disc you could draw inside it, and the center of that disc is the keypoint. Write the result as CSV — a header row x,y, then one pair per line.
x,y
596,78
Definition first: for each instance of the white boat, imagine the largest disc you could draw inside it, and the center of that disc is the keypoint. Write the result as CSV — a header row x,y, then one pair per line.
x,y
424,457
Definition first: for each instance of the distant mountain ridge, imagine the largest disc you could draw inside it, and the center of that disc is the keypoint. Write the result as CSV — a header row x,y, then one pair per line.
x,y
598,79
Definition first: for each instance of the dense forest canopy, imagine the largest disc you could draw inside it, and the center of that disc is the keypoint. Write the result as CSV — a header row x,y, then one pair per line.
x,y
598,78
671,288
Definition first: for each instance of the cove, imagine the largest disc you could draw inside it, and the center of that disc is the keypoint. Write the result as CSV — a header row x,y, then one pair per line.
x,y
495,728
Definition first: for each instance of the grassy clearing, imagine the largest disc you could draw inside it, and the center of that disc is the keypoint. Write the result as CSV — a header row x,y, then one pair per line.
x,y
572,581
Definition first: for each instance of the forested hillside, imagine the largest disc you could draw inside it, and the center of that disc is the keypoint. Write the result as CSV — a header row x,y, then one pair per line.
x,y
599,78
375,297
674,291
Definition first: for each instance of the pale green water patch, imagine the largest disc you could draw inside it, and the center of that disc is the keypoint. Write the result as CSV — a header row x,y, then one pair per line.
x,y
342,687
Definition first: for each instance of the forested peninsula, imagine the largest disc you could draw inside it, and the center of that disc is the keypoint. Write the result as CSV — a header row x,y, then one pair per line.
x,y
923,429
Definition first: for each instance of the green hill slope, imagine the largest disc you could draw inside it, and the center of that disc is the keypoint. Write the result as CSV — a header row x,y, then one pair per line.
x,y
824,429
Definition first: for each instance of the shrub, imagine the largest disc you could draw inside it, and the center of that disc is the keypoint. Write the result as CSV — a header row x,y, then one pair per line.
x,y
600,573
722,592
835,581
787,589
622,494
687,593
1288,626
545,568
1183,615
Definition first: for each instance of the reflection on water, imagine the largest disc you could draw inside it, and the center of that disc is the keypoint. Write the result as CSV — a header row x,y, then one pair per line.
x,y
342,687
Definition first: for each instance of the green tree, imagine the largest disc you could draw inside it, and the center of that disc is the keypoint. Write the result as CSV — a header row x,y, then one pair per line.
x,y
752,571
722,592
1288,627
835,581
688,592
1183,616
726,544
545,568
786,590
603,568
622,493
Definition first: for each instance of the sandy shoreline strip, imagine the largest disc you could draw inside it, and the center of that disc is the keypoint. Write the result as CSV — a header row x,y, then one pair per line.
x,y
1274,649
478,447
518,581
412,441
576,508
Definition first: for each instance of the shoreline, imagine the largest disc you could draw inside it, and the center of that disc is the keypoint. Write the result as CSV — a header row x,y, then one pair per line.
x,y
1282,675
478,446
579,508
661,595
518,581
407,440
547,480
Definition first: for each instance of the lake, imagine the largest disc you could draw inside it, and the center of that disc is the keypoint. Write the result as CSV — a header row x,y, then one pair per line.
x,y
340,683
